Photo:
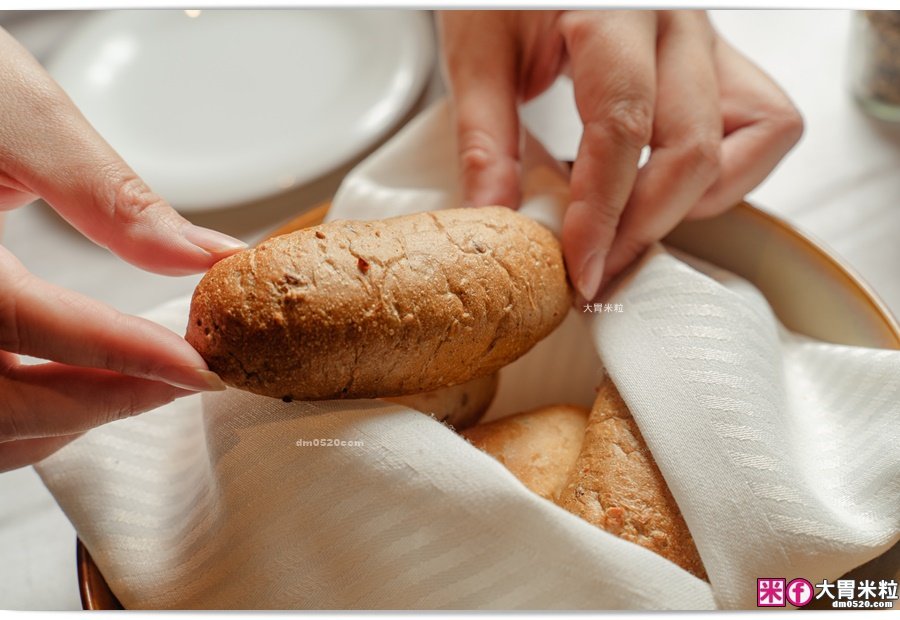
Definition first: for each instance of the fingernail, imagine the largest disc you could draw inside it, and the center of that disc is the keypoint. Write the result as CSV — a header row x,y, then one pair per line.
x,y
212,241
590,275
189,378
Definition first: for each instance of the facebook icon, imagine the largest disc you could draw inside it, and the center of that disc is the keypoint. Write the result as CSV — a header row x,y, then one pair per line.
x,y
799,592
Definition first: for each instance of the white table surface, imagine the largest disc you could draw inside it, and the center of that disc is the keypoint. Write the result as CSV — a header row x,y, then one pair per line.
x,y
840,184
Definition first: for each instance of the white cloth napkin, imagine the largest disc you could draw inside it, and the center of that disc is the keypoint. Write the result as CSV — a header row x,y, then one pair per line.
x,y
781,452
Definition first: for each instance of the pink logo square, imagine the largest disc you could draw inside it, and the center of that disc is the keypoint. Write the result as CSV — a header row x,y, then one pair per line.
x,y
770,592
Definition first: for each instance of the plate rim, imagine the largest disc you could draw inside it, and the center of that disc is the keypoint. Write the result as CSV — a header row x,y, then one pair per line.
x,y
421,64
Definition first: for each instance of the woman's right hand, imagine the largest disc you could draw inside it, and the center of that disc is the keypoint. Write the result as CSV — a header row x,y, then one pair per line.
x,y
104,365
716,123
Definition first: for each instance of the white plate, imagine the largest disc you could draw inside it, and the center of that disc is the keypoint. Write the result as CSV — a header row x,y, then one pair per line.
x,y
225,107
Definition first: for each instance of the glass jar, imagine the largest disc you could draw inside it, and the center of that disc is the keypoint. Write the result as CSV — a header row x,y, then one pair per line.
x,y
875,63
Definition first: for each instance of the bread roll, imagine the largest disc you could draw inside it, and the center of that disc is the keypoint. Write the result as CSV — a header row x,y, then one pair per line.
x,y
617,486
597,467
539,447
383,308
460,406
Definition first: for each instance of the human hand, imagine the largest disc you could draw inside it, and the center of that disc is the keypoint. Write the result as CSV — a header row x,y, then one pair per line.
x,y
105,365
716,124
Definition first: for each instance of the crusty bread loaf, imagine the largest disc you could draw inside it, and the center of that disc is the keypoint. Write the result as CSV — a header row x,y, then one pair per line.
x,y
617,486
459,406
383,308
539,447
595,466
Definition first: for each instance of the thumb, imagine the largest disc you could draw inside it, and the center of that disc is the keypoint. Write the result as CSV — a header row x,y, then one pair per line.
x,y
480,65
49,149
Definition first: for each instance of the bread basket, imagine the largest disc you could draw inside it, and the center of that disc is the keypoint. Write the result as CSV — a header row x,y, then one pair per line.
x,y
812,292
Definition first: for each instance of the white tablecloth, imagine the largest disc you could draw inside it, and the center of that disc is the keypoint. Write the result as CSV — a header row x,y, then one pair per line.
x,y
840,184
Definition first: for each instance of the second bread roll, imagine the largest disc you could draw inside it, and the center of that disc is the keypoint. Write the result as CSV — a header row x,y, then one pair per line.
x,y
595,465
617,486
460,406
539,447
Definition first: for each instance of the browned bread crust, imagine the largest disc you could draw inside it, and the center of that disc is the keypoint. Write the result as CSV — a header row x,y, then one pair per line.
x,y
459,406
384,308
539,447
617,486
